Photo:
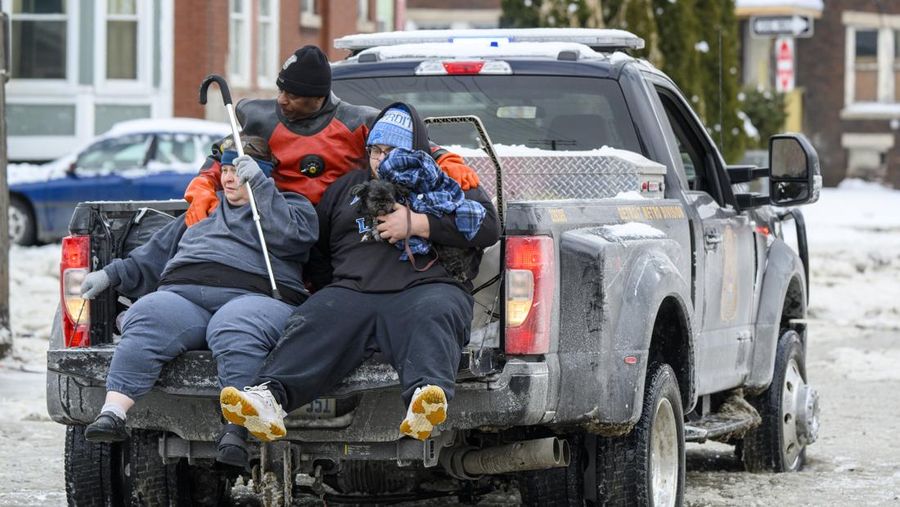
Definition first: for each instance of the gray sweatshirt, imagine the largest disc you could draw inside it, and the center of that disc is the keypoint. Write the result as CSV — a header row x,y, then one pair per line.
x,y
227,237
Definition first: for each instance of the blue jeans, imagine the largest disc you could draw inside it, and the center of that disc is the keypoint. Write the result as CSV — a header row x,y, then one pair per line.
x,y
239,327
421,331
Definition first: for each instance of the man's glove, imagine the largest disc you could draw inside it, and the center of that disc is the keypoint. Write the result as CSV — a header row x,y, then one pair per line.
x,y
94,283
201,194
247,168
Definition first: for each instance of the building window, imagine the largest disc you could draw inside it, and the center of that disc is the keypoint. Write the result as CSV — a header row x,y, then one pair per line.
x,y
873,63
122,39
38,39
309,14
239,42
267,47
866,65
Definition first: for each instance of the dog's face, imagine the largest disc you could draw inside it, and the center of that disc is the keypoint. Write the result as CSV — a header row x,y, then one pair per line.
x,y
380,198
376,198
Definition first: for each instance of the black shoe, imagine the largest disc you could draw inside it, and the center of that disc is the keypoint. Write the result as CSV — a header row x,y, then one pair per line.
x,y
106,428
231,447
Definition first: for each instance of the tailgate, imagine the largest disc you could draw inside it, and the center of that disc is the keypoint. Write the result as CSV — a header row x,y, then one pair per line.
x,y
194,373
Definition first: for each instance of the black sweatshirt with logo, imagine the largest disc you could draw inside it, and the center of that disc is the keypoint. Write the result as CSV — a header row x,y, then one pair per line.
x,y
342,259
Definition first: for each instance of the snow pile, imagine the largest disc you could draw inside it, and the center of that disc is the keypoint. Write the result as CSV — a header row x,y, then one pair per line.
x,y
31,173
519,150
854,243
34,296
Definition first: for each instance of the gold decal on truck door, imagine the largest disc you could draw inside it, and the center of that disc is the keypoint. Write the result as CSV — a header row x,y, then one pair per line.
x,y
728,304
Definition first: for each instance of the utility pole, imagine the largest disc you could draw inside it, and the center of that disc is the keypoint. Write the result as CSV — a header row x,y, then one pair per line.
x,y
5,330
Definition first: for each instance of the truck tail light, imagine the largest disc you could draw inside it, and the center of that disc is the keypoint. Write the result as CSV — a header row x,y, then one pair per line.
x,y
530,283
76,311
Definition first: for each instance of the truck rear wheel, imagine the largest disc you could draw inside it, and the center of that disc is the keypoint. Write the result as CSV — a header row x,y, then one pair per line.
x,y
645,467
88,470
789,410
144,478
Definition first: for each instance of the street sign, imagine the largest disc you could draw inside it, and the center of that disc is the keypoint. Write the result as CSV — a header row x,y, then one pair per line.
x,y
784,64
793,26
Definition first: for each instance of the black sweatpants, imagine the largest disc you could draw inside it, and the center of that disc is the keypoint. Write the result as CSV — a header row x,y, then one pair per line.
x,y
420,330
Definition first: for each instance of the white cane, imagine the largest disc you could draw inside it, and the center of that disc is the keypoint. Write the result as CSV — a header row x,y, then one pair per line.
x,y
236,134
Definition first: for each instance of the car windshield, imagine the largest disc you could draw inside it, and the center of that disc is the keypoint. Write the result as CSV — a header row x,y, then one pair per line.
x,y
118,153
175,149
545,112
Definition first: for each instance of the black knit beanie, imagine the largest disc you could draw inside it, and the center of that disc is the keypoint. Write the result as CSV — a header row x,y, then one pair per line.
x,y
306,73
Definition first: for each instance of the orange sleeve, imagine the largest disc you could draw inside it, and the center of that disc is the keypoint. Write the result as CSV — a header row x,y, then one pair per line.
x,y
211,172
201,194
454,166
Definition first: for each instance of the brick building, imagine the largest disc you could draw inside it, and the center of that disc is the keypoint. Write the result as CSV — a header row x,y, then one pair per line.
x,y
851,73
846,97
78,66
247,41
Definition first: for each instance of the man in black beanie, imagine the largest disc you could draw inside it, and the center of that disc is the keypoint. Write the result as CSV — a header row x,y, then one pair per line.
x,y
316,136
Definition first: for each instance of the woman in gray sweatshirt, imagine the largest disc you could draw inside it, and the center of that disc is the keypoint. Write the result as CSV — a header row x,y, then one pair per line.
x,y
207,287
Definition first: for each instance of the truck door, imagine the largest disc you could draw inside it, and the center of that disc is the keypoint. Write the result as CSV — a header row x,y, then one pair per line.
x,y
724,254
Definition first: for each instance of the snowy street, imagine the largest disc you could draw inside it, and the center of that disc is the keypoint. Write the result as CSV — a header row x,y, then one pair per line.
x,y
853,353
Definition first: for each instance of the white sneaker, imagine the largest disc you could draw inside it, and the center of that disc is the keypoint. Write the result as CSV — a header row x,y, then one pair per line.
x,y
427,409
255,409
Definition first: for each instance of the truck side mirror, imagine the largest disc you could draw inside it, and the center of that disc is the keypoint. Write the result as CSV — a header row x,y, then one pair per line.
x,y
795,177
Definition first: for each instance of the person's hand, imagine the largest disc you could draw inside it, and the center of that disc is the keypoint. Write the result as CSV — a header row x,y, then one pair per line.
x,y
201,195
393,226
246,168
94,283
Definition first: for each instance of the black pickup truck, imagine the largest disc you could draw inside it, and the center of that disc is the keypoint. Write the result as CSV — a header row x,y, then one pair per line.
x,y
640,298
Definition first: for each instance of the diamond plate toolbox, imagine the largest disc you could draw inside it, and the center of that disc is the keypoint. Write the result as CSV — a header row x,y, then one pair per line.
x,y
574,176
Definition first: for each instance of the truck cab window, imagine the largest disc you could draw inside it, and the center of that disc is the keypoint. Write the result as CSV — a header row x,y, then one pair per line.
x,y
699,163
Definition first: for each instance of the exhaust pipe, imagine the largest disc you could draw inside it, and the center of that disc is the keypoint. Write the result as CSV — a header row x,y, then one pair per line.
x,y
467,463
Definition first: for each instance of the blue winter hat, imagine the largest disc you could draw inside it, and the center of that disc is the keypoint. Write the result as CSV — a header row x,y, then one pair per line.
x,y
394,128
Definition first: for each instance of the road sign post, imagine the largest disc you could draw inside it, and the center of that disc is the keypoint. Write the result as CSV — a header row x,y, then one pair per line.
x,y
5,329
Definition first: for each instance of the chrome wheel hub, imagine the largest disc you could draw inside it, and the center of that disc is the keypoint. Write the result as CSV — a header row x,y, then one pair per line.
x,y
17,223
664,455
799,415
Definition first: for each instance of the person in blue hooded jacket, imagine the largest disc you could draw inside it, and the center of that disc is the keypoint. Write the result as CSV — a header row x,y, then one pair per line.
x,y
207,286
371,297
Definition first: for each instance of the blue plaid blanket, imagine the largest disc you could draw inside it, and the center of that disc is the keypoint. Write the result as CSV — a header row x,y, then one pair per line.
x,y
431,192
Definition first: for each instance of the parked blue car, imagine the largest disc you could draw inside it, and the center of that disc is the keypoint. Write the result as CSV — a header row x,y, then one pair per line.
x,y
135,160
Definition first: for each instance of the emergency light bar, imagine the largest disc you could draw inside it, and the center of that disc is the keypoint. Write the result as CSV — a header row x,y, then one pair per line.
x,y
596,38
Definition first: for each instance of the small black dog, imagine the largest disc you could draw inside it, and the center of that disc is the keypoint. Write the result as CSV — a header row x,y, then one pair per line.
x,y
377,198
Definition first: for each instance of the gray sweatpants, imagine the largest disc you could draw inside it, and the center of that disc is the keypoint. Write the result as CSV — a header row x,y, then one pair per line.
x,y
239,327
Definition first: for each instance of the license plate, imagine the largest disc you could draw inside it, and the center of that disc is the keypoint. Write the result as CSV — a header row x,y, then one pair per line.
x,y
323,408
